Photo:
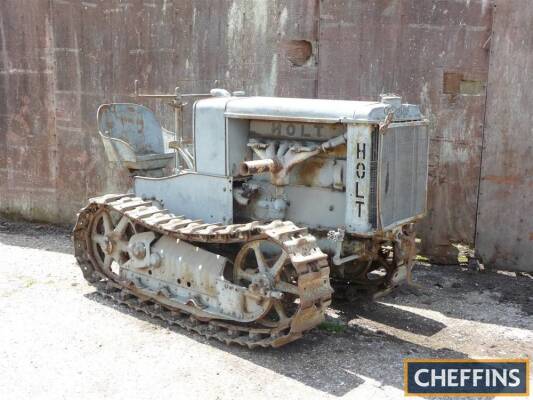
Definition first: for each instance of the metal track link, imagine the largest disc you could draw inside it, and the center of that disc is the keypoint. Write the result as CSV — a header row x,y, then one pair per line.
x,y
222,331
308,260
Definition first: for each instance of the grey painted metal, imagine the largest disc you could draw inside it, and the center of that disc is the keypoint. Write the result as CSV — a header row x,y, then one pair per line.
x,y
190,275
276,124
237,144
132,135
358,178
195,195
316,207
403,171
210,135
348,187
317,110
295,130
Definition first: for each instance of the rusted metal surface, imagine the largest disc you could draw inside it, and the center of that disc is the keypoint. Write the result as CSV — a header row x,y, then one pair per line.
x,y
284,157
504,235
203,310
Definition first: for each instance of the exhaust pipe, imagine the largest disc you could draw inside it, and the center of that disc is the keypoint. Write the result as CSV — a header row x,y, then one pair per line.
x,y
259,166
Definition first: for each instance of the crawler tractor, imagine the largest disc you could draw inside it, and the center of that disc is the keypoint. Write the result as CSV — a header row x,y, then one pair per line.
x,y
240,234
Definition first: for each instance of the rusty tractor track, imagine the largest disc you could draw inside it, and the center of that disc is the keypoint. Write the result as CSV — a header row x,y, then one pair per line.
x,y
309,262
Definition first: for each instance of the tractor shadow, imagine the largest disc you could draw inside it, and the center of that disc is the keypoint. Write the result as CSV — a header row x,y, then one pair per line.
x,y
332,362
457,291
390,316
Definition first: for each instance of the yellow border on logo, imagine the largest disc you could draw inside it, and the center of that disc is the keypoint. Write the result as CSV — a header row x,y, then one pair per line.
x,y
463,360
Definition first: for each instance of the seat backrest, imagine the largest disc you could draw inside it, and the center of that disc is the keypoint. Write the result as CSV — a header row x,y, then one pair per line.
x,y
134,124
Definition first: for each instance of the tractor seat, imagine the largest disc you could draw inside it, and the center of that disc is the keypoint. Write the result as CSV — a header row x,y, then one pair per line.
x,y
133,137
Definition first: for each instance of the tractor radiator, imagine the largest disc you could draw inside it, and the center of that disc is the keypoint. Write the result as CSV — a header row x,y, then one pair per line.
x,y
402,174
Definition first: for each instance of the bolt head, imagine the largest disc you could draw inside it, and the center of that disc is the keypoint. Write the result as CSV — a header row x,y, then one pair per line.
x,y
155,260
108,245
139,250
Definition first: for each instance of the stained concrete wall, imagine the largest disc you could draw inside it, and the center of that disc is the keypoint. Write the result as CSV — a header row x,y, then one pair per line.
x,y
60,59
505,224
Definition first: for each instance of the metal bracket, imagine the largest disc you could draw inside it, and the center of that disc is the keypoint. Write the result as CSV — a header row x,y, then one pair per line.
x,y
383,126
338,237
139,252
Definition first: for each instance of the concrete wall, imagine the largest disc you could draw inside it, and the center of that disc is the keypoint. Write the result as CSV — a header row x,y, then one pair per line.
x,y
60,59
505,224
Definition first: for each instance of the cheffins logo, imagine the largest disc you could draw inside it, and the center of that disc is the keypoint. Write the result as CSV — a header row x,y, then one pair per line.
x,y
433,377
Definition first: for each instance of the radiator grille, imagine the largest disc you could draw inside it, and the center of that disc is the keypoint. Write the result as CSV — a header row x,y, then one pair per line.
x,y
374,155
403,173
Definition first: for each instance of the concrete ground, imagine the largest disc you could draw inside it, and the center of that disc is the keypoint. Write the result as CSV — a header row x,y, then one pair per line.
x,y
58,339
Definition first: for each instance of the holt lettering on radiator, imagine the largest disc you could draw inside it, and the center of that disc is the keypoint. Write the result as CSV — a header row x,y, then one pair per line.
x,y
360,173
359,153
